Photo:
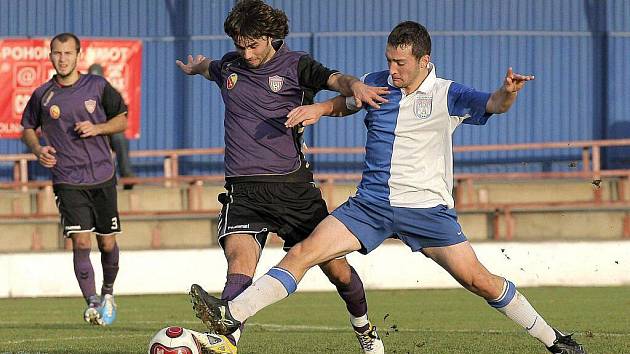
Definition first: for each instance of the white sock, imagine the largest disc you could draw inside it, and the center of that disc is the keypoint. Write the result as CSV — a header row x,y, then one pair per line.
x,y
519,310
236,335
359,322
263,292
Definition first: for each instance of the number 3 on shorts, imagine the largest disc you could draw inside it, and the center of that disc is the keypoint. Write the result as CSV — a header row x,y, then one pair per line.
x,y
114,223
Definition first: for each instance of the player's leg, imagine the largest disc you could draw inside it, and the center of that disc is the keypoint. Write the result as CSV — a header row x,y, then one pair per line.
x,y
462,263
78,223
83,270
303,209
242,252
329,240
242,233
105,208
350,287
355,225
110,255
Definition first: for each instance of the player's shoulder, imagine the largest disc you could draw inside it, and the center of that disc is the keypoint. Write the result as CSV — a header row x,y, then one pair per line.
x,y
43,88
376,78
443,84
97,79
230,57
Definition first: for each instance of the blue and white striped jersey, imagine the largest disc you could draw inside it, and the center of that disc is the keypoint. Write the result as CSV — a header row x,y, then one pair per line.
x,y
409,148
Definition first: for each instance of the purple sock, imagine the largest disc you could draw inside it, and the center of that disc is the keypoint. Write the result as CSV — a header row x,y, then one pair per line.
x,y
84,272
109,261
354,296
234,285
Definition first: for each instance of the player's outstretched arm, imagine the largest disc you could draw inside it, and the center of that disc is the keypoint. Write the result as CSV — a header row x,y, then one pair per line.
x,y
350,86
503,98
197,65
310,114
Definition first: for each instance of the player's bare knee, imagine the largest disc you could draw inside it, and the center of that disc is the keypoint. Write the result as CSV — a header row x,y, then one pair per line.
x,y
81,241
106,243
338,272
481,285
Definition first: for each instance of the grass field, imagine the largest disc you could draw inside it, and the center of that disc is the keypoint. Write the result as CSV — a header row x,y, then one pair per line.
x,y
410,321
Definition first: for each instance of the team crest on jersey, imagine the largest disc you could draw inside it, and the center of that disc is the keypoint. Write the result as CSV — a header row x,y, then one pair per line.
x,y
90,105
275,83
231,81
423,105
55,111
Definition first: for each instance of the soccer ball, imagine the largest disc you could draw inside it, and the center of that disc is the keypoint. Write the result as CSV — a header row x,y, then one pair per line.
x,y
174,340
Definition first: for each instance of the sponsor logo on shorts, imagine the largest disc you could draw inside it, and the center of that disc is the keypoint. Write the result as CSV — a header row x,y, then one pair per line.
x,y
73,227
243,226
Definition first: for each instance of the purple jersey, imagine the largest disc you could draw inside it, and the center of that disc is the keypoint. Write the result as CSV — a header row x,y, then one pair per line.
x,y
257,101
81,162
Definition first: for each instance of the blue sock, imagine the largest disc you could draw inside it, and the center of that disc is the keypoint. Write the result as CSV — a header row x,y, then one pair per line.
x,y
285,277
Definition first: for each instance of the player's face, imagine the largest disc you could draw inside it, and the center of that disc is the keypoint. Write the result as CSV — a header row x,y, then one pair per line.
x,y
64,56
255,51
406,70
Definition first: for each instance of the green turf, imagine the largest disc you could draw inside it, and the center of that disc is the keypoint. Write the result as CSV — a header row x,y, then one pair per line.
x,y
410,321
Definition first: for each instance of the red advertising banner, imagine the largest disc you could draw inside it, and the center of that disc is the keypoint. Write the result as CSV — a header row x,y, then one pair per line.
x,y
24,66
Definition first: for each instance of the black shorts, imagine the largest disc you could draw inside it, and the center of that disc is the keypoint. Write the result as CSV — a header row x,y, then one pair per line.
x,y
85,210
291,210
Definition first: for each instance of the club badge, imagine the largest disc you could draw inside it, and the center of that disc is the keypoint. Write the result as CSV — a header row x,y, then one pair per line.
x,y
275,83
231,81
90,105
422,105
55,112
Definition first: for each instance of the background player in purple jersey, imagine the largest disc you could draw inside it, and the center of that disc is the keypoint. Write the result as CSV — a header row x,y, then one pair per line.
x,y
75,113
269,183
405,190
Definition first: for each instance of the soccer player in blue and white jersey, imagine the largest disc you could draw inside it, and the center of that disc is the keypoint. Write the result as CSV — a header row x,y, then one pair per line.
x,y
269,184
405,191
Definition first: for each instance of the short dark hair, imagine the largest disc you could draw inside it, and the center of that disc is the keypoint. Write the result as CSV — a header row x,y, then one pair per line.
x,y
253,19
412,34
64,37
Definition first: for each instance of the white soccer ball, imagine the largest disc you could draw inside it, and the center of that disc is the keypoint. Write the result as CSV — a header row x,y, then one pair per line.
x,y
174,340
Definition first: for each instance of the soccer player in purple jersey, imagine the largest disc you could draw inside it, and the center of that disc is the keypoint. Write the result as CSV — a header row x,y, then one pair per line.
x,y
76,113
405,190
269,183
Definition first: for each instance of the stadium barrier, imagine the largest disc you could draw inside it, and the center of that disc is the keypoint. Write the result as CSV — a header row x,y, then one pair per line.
x,y
391,266
469,198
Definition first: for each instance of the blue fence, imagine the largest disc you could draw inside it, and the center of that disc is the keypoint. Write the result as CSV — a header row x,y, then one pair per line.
x,y
578,51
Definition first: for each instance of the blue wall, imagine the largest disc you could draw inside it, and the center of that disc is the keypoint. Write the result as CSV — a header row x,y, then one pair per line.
x,y
578,51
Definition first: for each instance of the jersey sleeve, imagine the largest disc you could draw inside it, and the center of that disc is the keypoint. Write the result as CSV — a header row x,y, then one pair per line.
x,y
112,102
350,103
31,118
312,74
468,104
214,69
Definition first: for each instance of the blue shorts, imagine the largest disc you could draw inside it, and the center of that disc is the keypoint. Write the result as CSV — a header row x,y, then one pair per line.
x,y
374,222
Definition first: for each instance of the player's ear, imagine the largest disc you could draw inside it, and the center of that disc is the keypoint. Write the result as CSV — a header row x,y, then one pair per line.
x,y
424,61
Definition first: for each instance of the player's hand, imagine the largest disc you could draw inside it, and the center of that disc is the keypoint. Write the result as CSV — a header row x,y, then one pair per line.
x,y
515,82
86,129
194,66
45,156
369,94
306,115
